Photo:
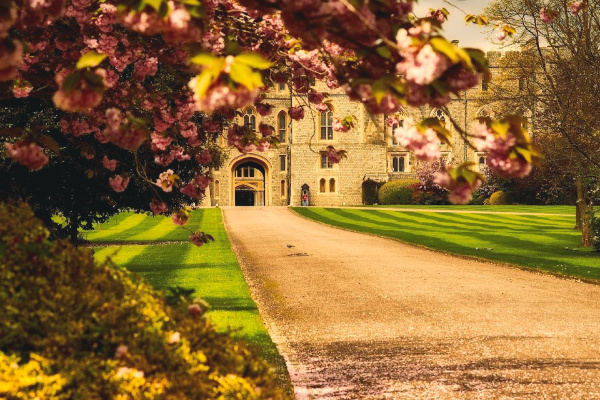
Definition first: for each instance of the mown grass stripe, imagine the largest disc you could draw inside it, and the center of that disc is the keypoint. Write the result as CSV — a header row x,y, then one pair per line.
x,y
115,227
568,210
120,255
536,242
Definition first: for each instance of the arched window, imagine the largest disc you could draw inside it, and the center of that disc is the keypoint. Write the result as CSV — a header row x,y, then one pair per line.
x,y
332,185
282,126
282,189
327,125
322,185
481,160
216,190
250,119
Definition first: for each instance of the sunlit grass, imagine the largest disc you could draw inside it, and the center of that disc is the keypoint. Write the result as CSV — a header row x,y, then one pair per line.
x,y
542,242
211,270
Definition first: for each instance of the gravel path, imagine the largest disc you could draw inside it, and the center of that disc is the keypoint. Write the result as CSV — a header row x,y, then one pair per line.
x,y
361,317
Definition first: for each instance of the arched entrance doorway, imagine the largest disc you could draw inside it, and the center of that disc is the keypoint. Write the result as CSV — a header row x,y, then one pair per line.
x,y
249,184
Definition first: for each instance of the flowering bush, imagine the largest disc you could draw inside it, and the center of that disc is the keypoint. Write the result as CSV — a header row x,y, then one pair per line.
x,y
397,192
72,328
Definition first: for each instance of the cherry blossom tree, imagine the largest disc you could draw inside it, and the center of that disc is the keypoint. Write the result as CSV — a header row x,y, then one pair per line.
x,y
142,88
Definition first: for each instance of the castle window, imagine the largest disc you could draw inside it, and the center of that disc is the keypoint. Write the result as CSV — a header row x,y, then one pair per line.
x,y
322,185
281,86
244,172
282,163
282,126
332,185
216,189
399,163
282,189
250,119
325,163
327,125
484,85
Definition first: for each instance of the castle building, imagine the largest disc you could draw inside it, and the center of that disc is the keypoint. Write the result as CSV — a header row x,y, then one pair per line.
x,y
281,175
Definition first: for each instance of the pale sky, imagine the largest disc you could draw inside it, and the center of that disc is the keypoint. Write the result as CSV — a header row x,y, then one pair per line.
x,y
455,28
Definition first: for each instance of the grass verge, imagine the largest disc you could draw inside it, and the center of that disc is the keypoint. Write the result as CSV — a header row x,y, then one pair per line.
x,y
212,270
541,242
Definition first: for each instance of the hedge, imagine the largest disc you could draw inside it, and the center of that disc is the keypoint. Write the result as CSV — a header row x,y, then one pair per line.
x,y
397,192
75,329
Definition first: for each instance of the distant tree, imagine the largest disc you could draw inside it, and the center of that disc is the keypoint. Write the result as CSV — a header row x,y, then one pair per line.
x,y
555,82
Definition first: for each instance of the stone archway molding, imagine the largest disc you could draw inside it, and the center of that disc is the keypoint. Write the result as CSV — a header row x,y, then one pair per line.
x,y
251,157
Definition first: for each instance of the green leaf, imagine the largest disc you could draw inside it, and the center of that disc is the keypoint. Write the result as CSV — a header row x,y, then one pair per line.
x,y
154,4
90,59
443,46
379,90
253,60
245,76
525,153
203,83
49,142
501,127
70,82
205,59
384,52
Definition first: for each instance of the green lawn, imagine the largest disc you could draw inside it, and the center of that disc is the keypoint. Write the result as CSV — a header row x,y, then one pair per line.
x,y
212,270
542,242
567,210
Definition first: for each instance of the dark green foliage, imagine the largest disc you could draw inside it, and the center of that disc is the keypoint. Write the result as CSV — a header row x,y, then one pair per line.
x,y
499,198
76,329
596,233
370,192
397,192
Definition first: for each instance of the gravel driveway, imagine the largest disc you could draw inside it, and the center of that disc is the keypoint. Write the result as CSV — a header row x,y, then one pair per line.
x,y
361,317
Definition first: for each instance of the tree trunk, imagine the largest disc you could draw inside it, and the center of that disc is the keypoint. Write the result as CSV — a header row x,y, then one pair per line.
x,y
586,211
577,216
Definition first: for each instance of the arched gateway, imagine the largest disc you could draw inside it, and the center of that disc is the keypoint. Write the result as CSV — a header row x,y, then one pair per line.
x,y
250,177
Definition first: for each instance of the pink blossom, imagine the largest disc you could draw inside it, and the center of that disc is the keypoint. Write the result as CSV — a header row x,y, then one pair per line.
x,y
220,95
393,121
264,109
121,351
502,156
144,68
195,309
335,156
160,142
130,136
110,165
438,15
322,107
263,145
11,57
125,371
211,125
81,98
547,16
575,7
425,145
423,67
501,34
339,126
158,207
163,159
174,338
296,113
192,191
165,180
178,153
23,90
315,97
118,183
180,218
460,192
28,154
266,130
204,158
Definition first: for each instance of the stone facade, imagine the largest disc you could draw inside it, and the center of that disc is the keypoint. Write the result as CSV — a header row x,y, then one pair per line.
x,y
280,172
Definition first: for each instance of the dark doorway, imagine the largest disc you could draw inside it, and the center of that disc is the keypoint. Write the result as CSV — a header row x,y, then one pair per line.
x,y
244,197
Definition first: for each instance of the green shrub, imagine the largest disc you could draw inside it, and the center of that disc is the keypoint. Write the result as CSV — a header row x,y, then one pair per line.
x,y
478,201
74,329
370,191
596,233
396,192
499,198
